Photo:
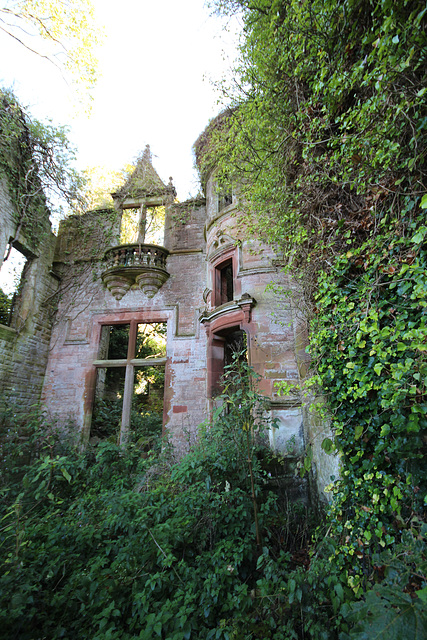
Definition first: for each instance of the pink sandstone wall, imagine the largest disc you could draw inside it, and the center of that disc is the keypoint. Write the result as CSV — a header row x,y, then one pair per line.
x,y
199,238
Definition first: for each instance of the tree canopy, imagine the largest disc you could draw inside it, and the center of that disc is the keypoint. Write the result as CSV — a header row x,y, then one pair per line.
x,y
328,114
67,27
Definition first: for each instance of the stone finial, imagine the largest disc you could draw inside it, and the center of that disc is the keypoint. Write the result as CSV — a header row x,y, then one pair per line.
x,y
147,153
171,190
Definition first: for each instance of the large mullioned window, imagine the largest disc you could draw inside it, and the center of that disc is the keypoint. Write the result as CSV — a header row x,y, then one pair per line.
x,y
130,380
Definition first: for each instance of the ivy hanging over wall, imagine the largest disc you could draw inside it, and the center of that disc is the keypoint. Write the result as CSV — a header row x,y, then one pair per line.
x,y
326,134
370,344
36,164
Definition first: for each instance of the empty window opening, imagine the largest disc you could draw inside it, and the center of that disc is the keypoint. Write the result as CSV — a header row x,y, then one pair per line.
x,y
129,391
224,286
228,348
143,225
151,340
235,347
147,405
114,342
108,403
12,274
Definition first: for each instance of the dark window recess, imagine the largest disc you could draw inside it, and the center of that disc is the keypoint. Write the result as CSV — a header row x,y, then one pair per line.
x,y
229,347
224,200
225,291
235,347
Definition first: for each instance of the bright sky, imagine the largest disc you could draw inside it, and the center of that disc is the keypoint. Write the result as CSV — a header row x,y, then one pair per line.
x,y
154,88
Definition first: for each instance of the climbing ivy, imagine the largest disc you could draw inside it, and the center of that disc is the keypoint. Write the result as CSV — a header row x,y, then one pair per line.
x,y
325,132
369,340
36,162
325,124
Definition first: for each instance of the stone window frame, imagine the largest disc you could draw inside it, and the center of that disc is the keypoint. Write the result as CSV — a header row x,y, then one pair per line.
x,y
130,362
225,199
217,328
216,353
219,278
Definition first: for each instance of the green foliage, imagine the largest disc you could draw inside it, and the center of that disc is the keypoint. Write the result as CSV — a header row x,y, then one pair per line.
x,y
326,130
115,543
67,28
36,160
372,310
23,439
325,136
396,606
110,543
5,307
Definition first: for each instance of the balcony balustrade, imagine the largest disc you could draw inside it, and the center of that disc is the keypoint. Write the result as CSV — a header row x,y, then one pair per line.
x,y
130,264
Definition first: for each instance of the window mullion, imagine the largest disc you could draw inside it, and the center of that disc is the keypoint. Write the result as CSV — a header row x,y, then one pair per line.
x,y
127,404
133,329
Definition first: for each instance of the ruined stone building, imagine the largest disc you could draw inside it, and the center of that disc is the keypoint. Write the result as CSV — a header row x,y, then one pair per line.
x,y
185,273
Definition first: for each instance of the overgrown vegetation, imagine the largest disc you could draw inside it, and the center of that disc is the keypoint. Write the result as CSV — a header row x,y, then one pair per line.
x,y
5,307
325,136
36,160
118,544
115,543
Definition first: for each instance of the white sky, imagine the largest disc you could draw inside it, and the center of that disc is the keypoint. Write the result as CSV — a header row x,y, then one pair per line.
x,y
155,66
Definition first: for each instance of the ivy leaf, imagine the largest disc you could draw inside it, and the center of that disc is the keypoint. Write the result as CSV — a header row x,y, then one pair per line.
x,y
327,445
66,474
388,614
422,594
358,431
419,236
378,368
307,464
423,203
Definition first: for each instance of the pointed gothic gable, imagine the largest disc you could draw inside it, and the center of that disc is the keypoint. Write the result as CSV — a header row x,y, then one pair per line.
x,y
144,181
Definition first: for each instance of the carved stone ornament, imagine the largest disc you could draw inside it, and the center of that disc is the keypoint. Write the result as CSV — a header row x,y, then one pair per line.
x,y
150,281
117,285
143,264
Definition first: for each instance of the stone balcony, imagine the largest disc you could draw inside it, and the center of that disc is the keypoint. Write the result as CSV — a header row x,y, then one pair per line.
x,y
128,265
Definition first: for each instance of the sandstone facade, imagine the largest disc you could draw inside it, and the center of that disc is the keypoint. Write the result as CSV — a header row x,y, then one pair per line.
x,y
207,282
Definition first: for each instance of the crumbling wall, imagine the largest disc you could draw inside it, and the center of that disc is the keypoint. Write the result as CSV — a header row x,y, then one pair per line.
x,y
24,344
184,225
88,236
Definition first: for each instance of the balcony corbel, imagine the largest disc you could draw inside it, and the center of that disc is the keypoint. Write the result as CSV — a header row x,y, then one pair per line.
x,y
129,264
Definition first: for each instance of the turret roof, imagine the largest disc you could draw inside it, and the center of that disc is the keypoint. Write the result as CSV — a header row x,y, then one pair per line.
x,y
143,181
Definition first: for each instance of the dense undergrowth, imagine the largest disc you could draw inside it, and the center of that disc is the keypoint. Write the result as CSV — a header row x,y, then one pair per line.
x,y
114,543
324,138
